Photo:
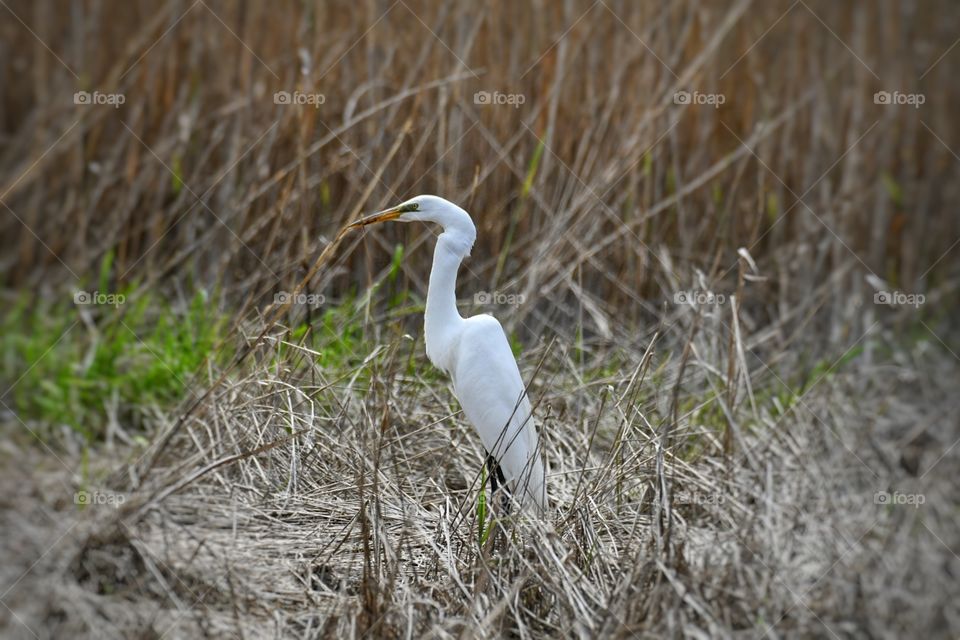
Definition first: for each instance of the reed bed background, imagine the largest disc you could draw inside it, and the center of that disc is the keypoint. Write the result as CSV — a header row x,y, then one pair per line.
x,y
722,237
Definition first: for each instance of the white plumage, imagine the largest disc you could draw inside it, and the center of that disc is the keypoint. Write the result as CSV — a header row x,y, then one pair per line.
x,y
475,353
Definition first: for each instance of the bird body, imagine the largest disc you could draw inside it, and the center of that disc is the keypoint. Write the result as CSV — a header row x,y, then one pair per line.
x,y
487,383
475,353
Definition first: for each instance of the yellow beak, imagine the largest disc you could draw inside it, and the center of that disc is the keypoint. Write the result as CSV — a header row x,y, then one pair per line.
x,y
380,216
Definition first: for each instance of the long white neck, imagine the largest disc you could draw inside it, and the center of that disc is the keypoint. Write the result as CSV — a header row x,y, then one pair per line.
x,y
442,320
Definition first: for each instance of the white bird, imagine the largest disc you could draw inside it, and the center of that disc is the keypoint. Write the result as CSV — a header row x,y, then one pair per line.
x,y
476,355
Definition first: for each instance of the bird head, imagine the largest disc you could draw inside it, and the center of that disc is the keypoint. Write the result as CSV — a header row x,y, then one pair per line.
x,y
456,222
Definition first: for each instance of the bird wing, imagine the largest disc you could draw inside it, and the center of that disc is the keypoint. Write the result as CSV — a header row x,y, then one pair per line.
x,y
487,383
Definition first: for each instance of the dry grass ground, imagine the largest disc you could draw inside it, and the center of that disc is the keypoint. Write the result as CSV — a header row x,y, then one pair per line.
x,y
777,459
365,525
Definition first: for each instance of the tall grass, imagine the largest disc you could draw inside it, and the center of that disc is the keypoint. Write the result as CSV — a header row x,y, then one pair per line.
x,y
597,192
299,469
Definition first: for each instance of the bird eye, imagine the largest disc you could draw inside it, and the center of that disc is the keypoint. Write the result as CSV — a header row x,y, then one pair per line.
x,y
413,206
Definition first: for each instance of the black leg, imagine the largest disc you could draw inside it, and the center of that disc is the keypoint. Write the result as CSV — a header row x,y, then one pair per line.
x,y
498,484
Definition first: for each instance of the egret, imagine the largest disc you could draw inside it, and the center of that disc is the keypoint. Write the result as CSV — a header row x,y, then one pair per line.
x,y
476,355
